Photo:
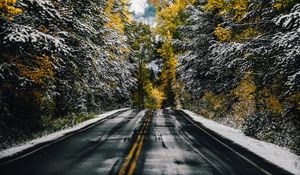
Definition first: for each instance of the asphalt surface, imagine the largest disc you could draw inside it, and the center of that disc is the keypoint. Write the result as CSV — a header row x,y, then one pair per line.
x,y
142,142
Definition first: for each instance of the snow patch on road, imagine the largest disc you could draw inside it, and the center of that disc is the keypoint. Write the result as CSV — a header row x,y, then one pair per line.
x,y
54,136
279,156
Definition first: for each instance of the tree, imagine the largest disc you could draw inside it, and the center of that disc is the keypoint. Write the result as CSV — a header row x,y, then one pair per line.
x,y
147,95
169,17
8,9
238,54
60,59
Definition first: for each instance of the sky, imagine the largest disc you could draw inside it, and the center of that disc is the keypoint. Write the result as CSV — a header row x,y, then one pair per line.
x,y
143,11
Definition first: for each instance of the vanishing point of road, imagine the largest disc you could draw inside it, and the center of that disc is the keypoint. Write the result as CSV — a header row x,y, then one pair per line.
x,y
141,142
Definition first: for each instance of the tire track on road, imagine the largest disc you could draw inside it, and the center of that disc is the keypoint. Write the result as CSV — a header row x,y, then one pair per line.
x,y
132,157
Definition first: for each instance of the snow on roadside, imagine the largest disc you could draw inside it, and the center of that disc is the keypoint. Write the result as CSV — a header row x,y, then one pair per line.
x,y
56,135
279,156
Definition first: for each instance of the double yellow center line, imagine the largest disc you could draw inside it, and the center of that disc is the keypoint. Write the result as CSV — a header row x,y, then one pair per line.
x,y
135,150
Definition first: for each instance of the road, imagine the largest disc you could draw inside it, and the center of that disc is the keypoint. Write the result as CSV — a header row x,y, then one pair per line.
x,y
142,142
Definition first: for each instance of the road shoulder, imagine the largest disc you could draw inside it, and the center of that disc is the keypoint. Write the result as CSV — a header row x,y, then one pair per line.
x,y
39,143
277,155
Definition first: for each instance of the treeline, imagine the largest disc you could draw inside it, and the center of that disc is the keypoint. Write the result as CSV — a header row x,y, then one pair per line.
x,y
236,62
233,61
61,61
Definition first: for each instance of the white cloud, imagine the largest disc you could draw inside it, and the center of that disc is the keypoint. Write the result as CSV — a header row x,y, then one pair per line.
x,y
138,7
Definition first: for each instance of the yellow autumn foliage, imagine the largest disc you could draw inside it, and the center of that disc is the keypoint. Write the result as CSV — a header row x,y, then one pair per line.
x,y
246,34
295,98
213,5
280,4
168,18
154,97
127,18
223,34
154,2
216,101
246,104
274,104
170,63
8,8
117,20
43,69
271,102
233,9
39,97
157,99
239,8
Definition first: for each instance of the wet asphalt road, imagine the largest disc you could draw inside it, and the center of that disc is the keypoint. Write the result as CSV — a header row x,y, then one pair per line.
x,y
142,142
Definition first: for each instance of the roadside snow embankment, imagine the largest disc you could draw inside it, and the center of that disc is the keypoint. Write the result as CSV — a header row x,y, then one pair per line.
x,y
279,156
55,136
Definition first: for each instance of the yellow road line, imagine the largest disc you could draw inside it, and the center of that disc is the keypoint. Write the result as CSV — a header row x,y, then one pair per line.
x,y
133,164
128,158
138,144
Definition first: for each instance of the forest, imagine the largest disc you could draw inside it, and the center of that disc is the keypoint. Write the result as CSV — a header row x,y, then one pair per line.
x,y
233,61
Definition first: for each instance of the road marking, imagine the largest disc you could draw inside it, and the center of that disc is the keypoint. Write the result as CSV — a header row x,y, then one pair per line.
x,y
137,146
133,164
128,158
245,158
65,136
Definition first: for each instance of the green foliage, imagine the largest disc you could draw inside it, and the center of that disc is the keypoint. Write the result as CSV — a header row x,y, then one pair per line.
x,y
143,82
140,36
141,44
168,74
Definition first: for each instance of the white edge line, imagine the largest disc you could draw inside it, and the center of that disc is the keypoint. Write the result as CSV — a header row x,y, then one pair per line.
x,y
66,135
265,171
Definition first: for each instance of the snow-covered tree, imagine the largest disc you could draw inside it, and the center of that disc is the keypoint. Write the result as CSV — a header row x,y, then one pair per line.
x,y
62,57
243,65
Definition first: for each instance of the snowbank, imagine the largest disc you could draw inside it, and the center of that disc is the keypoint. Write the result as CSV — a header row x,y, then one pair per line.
x,y
54,136
277,155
